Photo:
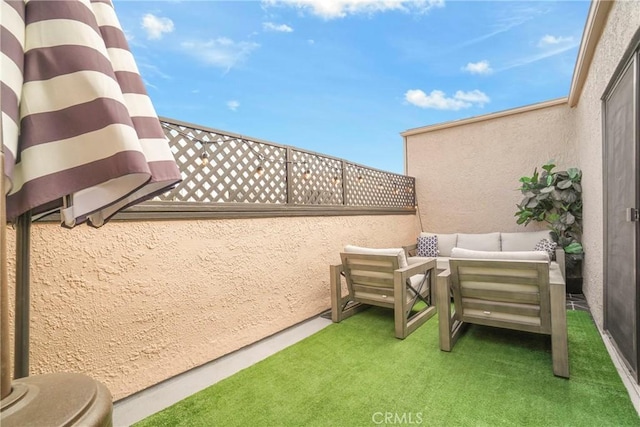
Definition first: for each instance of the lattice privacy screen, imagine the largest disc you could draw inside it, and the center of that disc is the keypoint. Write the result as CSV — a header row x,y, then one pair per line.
x,y
218,167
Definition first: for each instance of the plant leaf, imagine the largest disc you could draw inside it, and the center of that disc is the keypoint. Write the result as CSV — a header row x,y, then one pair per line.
x,y
567,218
573,173
573,248
553,217
563,185
568,196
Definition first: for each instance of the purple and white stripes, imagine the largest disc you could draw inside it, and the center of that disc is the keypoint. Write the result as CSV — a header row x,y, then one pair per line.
x,y
79,129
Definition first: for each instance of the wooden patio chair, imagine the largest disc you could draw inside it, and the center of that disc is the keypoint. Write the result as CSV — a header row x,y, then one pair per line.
x,y
521,295
381,277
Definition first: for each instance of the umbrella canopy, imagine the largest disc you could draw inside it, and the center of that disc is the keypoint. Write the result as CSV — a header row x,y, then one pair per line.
x,y
79,131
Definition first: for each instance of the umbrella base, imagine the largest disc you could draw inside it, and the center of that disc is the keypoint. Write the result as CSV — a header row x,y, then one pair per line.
x,y
61,399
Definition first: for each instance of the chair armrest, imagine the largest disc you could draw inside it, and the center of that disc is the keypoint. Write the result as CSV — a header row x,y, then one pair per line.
x,y
556,277
560,259
419,267
446,273
337,267
410,250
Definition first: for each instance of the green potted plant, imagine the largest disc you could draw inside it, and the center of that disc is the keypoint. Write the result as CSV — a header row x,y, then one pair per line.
x,y
555,197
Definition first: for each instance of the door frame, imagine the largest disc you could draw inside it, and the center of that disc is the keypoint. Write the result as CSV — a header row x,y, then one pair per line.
x,y
631,58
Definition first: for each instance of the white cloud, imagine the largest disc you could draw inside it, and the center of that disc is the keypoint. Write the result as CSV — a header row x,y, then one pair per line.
x,y
549,40
438,100
481,67
282,28
332,9
148,84
156,26
538,57
509,15
233,105
474,97
221,52
151,70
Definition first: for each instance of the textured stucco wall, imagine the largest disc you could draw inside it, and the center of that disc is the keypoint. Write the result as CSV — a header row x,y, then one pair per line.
x,y
623,22
134,303
467,175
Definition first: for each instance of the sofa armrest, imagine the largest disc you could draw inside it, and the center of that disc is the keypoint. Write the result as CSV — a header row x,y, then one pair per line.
x,y
560,259
410,250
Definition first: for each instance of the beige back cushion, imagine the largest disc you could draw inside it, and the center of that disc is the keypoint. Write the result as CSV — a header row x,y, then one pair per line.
x,y
479,242
399,252
446,242
508,255
523,241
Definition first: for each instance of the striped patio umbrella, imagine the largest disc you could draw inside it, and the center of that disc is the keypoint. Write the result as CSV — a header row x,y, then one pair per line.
x,y
79,134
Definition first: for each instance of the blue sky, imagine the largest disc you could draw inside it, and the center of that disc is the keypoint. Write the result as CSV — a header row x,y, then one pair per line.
x,y
345,77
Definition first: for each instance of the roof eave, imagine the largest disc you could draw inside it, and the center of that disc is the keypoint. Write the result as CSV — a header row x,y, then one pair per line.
x,y
596,21
484,117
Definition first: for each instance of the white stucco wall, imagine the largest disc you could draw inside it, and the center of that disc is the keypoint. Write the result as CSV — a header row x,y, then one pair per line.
x,y
623,22
134,303
467,175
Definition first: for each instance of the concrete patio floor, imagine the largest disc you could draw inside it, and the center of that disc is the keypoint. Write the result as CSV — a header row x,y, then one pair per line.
x,y
154,399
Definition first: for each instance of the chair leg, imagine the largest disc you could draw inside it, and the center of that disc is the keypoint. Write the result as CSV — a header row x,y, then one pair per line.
x,y
403,324
336,293
399,303
418,319
559,339
444,312
339,312
450,327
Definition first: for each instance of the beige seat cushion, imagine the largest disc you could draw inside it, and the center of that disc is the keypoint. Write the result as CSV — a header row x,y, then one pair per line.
x,y
399,252
498,255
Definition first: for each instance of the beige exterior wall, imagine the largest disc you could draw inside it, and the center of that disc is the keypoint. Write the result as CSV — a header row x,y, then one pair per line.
x,y
623,22
134,303
467,174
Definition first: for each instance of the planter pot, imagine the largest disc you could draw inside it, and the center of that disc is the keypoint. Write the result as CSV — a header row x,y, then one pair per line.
x,y
574,285
574,273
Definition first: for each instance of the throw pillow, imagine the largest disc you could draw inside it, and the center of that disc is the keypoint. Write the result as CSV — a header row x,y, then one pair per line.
x,y
547,246
427,246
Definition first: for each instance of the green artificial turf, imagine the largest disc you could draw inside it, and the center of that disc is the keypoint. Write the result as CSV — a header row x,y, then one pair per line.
x,y
356,373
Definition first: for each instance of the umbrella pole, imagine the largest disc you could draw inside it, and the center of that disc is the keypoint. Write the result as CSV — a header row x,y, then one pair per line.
x,y
5,385
23,301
